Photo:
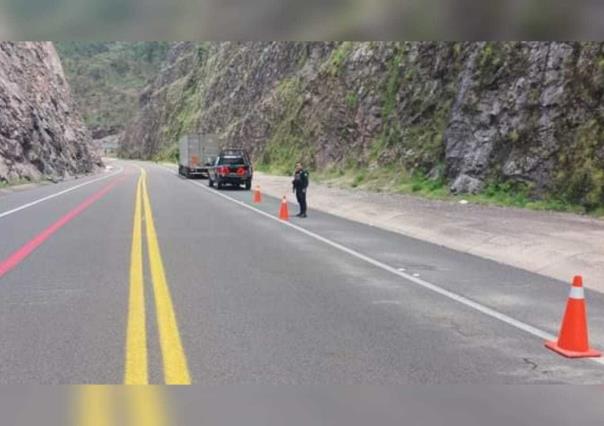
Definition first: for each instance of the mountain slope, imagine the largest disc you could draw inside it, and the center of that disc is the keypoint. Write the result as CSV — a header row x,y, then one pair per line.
x,y
527,118
107,77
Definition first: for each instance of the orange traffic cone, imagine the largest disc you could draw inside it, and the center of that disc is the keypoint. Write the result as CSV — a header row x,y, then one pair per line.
x,y
573,341
283,211
257,195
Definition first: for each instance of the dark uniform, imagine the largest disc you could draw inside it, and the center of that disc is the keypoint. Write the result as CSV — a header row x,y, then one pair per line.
x,y
300,183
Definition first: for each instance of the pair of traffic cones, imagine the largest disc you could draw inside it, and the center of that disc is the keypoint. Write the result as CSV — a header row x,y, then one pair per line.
x,y
283,210
573,340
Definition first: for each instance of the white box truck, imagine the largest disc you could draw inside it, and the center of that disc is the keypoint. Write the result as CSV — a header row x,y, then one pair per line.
x,y
196,153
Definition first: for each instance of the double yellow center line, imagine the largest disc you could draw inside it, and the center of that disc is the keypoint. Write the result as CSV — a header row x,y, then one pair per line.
x,y
176,370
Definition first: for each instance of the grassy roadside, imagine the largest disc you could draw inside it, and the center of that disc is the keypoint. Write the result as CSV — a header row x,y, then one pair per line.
x,y
397,181
43,180
18,182
169,154
391,180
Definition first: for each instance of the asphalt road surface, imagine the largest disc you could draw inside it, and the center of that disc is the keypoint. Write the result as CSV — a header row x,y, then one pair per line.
x,y
137,275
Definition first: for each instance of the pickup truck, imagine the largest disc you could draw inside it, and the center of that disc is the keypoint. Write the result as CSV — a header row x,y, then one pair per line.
x,y
232,167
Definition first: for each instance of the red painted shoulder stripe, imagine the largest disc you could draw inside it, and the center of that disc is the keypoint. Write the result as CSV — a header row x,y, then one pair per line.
x,y
17,256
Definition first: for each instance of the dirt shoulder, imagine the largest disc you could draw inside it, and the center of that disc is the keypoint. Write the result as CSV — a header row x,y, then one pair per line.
x,y
558,245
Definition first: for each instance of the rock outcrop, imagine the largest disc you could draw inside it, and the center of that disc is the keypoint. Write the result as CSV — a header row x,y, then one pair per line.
x,y
41,134
525,115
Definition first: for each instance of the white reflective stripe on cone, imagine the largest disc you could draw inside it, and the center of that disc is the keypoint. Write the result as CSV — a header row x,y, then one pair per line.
x,y
577,293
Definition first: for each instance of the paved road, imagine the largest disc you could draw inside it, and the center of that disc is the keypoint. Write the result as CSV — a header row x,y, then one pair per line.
x,y
138,275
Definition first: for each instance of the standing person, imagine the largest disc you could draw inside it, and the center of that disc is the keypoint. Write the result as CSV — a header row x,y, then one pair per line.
x,y
300,183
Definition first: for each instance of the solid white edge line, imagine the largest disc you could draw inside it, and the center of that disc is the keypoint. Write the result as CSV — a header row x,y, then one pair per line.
x,y
425,284
57,194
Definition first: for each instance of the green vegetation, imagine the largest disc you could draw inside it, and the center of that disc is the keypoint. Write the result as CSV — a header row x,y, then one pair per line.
x,y
169,154
17,182
392,86
492,61
393,180
289,141
580,177
106,79
183,97
333,67
516,194
407,155
175,108
384,179
418,144
391,133
352,100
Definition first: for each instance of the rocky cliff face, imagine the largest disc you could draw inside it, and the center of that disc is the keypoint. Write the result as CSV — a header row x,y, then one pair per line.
x,y
41,134
529,116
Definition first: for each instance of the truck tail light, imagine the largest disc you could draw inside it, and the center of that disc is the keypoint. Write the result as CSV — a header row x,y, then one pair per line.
x,y
223,170
241,171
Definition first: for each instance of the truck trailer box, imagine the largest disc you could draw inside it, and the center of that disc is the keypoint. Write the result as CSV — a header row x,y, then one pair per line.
x,y
196,153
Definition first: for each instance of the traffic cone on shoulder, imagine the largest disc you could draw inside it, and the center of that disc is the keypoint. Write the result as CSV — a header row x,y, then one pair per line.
x,y
283,211
257,195
573,341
